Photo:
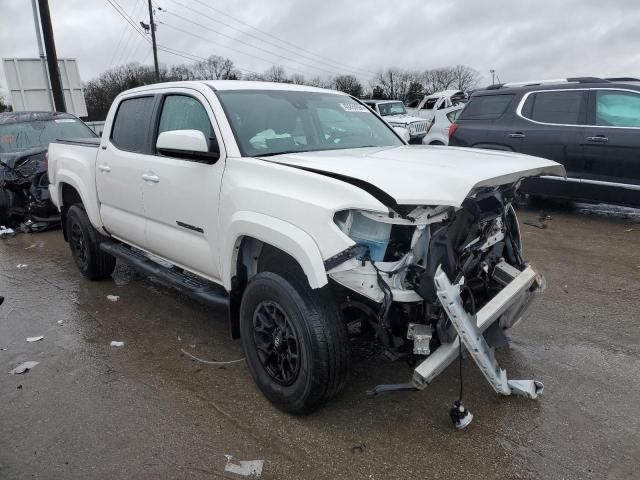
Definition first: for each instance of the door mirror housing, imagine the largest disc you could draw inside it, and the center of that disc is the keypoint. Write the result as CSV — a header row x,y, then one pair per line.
x,y
188,144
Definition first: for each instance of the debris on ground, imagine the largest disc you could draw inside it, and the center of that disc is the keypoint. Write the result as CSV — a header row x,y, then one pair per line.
x,y
565,288
540,225
30,247
113,298
184,352
358,448
628,230
19,387
35,339
60,322
244,468
115,343
6,232
22,265
23,367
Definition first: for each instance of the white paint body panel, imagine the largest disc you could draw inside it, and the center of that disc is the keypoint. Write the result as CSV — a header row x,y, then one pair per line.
x,y
267,199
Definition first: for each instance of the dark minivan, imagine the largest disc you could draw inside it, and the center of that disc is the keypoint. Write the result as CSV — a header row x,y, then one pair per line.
x,y
590,125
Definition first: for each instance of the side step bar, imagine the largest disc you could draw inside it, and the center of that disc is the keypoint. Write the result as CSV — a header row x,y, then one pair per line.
x,y
470,331
186,283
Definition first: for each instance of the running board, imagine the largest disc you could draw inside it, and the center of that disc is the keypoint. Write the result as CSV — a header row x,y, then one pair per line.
x,y
186,283
470,330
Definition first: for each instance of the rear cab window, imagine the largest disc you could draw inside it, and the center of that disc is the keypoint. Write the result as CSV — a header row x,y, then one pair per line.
x,y
131,125
486,107
560,107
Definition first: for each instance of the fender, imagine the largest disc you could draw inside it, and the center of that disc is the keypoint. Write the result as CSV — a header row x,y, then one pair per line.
x,y
89,199
276,232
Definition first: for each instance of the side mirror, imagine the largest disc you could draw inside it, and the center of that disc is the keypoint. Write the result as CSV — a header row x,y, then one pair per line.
x,y
404,133
188,144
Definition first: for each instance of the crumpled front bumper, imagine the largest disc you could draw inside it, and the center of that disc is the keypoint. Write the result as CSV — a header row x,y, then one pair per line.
x,y
507,307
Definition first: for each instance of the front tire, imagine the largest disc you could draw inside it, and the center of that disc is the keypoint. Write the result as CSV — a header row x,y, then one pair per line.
x,y
295,342
84,242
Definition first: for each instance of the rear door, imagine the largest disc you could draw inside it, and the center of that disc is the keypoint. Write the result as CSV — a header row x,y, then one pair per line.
x,y
612,141
553,126
482,123
181,196
119,168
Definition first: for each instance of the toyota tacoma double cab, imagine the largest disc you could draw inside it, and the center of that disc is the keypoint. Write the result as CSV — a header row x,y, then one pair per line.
x,y
312,221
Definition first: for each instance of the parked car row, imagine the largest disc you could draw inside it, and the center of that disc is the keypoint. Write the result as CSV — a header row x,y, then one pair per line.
x,y
589,125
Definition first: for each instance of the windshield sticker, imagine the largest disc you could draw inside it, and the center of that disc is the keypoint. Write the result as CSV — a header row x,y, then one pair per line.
x,y
354,107
65,120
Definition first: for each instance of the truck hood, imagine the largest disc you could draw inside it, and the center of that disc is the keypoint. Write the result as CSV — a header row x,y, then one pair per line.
x,y
406,119
421,175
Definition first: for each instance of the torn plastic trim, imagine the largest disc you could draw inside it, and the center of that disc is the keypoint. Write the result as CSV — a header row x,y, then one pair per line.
x,y
379,194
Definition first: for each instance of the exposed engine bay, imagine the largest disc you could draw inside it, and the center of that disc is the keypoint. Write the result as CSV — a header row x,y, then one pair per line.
x,y
477,245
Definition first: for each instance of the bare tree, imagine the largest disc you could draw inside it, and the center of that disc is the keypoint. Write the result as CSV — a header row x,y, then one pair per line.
x,y
460,77
297,79
215,68
4,105
394,83
348,84
319,82
465,78
276,74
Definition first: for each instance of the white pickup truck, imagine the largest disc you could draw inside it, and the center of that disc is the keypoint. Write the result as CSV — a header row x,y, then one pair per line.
x,y
310,218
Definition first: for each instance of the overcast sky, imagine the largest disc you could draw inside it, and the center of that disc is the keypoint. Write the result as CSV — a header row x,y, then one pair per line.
x,y
521,40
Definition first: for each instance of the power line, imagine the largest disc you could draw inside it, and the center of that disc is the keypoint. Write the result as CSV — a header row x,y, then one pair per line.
x,y
205,27
222,45
196,58
330,63
133,49
274,37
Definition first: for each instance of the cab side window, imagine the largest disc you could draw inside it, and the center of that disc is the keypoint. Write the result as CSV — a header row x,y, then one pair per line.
x,y
181,112
617,109
131,125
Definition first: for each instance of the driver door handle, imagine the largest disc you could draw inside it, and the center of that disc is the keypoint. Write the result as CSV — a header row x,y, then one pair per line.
x,y
598,139
150,177
104,168
517,135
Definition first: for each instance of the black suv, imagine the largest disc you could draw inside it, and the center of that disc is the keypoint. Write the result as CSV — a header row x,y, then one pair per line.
x,y
590,125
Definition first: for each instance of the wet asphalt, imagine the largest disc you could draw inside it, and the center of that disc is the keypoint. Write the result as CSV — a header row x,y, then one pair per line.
x,y
146,411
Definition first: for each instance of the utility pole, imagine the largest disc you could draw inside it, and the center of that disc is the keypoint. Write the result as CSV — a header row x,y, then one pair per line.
x,y
152,24
52,58
36,21
493,77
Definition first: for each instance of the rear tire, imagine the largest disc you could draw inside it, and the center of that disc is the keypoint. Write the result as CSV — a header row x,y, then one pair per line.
x,y
84,242
295,342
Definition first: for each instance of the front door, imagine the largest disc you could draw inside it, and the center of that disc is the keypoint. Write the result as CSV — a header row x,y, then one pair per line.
x,y
119,168
181,196
611,143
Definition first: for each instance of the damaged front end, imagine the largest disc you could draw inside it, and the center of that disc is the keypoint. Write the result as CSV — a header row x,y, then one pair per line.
x,y
427,276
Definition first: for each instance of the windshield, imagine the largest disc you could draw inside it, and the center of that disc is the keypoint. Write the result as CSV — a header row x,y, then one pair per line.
x,y
395,108
15,137
268,122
